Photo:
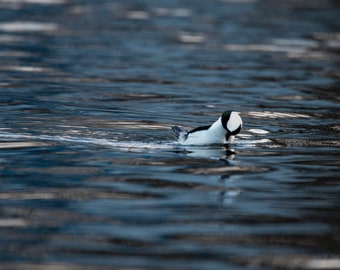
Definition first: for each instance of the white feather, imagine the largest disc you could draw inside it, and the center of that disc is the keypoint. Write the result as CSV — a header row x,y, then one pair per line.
x,y
234,121
215,134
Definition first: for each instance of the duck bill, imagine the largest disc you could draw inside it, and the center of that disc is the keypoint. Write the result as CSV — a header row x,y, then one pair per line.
x,y
231,139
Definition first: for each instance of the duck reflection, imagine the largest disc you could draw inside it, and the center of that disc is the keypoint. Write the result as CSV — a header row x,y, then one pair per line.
x,y
230,190
212,152
227,170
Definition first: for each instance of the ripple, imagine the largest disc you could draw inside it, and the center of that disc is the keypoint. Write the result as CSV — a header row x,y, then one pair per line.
x,y
264,48
122,145
277,115
291,262
12,145
258,131
319,143
223,170
191,38
28,26
137,15
11,38
294,48
33,69
75,194
12,222
41,2
176,12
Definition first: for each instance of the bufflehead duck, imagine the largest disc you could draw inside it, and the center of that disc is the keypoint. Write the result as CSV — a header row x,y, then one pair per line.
x,y
222,131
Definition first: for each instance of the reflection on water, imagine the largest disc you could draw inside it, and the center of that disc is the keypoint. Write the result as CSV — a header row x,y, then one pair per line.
x,y
90,174
27,26
268,114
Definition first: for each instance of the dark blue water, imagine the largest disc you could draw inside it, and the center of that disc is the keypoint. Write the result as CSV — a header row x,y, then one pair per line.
x,y
90,175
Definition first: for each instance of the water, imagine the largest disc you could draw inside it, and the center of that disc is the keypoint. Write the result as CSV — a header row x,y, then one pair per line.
x,y
91,176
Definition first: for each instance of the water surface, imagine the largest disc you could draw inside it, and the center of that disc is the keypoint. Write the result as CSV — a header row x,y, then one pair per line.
x,y
90,173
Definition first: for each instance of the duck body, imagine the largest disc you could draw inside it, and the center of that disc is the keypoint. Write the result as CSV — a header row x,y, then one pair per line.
x,y
222,131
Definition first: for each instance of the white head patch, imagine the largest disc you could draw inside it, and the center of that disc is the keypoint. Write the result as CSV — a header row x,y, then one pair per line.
x,y
234,121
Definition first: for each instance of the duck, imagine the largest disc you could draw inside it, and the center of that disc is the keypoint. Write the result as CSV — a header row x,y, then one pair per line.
x,y
222,131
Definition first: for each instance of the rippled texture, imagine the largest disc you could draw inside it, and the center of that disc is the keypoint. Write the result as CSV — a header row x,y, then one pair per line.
x,y
91,176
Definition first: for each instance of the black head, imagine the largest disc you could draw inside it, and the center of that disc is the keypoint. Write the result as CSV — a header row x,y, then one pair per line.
x,y
232,122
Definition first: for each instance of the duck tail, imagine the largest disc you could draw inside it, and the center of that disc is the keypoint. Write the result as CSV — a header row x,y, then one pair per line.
x,y
179,132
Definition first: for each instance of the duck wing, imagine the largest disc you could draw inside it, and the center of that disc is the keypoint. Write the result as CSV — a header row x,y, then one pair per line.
x,y
199,129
